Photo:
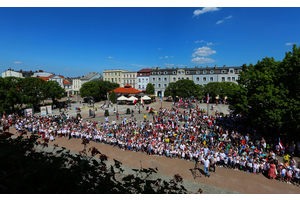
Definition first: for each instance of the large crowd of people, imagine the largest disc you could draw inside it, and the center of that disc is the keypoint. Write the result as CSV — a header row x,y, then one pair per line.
x,y
187,134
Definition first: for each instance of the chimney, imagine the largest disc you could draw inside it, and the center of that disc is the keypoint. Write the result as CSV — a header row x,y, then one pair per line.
x,y
206,66
35,71
30,71
40,70
196,66
172,67
176,67
167,67
12,70
153,68
20,70
215,66
201,67
224,65
185,66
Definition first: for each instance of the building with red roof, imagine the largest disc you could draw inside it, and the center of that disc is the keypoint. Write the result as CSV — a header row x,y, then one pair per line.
x,y
127,89
143,79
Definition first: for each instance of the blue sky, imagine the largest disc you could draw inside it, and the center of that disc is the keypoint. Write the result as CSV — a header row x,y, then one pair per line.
x,y
75,41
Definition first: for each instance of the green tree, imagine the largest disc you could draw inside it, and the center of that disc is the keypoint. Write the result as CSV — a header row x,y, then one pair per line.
x,y
112,97
214,89
262,96
150,89
33,90
289,77
90,89
53,90
183,88
10,93
105,87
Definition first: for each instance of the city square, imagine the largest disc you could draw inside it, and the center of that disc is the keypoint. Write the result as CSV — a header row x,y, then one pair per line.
x,y
149,100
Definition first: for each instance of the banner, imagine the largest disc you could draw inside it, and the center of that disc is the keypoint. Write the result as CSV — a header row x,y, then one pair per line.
x,y
49,110
28,112
43,110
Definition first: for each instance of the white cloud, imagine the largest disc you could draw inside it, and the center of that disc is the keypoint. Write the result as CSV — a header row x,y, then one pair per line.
x,y
38,67
289,43
160,57
166,56
203,51
209,43
202,60
169,65
159,49
18,62
199,41
221,21
172,56
180,65
66,69
110,57
205,10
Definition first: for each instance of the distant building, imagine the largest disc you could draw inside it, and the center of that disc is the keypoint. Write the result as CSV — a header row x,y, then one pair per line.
x,y
20,74
114,76
129,78
143,79
77,82
160,78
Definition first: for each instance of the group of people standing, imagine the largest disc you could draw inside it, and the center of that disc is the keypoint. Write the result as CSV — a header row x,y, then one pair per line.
x,y
187,134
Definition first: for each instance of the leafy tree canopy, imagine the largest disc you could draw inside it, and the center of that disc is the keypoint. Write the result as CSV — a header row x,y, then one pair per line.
x,y
182,88
53,90
97,89
150,89
268,94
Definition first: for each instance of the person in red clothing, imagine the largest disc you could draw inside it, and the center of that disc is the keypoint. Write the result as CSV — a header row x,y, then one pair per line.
x,y
272,173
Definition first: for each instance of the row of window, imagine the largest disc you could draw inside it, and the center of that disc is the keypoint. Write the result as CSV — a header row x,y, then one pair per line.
x,y
159,85
129,81
165,79
143,80
112,79
111,74
197,72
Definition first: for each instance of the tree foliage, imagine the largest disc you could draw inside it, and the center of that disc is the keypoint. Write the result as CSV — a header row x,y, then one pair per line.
x,y
150,89
221,89
97,89
16,91
10,93
27,169
183,88
268,93
112,97
53,90
33,90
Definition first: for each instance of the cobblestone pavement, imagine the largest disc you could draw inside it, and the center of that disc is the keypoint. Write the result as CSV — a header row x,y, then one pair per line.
x,y
224,181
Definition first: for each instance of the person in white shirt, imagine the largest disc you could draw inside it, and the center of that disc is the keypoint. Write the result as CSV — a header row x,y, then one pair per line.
x,y
206,167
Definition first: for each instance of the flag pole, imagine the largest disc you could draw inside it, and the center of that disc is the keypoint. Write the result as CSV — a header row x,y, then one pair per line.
x,y
207,104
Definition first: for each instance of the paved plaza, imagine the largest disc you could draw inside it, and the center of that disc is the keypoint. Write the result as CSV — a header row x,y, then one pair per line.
x,y
224,181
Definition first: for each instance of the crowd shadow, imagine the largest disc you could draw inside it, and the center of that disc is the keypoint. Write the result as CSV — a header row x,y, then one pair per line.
x,y
197,171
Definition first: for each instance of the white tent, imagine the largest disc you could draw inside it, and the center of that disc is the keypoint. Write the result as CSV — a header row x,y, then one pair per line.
x,y
122,98
146,98
132,98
